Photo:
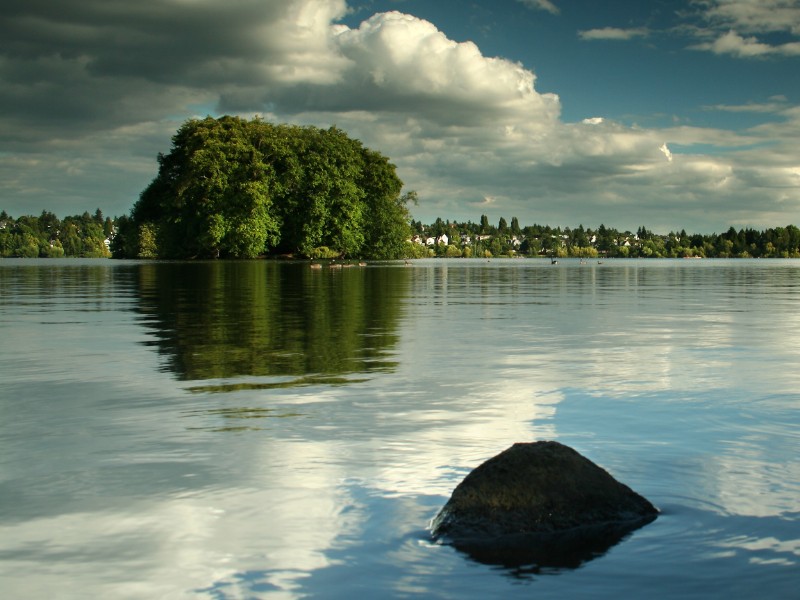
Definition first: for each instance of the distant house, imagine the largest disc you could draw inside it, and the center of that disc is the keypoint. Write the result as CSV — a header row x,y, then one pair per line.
x,y
443,239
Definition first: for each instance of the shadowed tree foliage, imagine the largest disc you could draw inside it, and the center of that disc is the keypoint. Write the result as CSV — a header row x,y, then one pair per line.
x,y
235,188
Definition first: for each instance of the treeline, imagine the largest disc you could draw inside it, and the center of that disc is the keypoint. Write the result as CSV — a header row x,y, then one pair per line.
x,y
468,239
47,236
94,235
236,188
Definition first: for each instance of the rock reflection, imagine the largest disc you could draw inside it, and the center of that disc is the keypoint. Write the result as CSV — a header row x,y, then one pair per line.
x,y
223,320
530,553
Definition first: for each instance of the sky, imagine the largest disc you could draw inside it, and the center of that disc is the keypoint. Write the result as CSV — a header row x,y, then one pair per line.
x,y
668,114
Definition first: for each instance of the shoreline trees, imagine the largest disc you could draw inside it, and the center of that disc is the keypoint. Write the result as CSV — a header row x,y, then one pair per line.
x,y
47,236
483,240
237,188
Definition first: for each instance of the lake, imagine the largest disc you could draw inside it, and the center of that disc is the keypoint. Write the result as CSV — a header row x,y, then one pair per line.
x,y
266,430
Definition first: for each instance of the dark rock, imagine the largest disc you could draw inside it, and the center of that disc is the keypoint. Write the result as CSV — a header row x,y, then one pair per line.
x,y
540,503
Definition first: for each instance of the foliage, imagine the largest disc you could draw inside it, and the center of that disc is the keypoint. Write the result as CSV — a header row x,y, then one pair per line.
x,y
235,188
483,240
323,252
47,236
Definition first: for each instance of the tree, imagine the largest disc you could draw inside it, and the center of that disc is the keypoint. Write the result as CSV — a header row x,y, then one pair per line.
x,y
387,227
211,196
237,188
605,239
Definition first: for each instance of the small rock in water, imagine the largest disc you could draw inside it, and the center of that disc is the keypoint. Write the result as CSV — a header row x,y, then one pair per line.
x,y
540,503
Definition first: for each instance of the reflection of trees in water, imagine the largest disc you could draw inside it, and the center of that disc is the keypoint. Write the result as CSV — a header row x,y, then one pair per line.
x,y
63,283
259,318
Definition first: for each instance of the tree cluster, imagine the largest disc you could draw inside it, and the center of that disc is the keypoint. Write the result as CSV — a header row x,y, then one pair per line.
x,y
47,236
236,188
468,239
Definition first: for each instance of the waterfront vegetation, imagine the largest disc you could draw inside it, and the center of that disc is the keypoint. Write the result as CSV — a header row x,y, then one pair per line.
x,y
47,236
481,240
94,236
237,188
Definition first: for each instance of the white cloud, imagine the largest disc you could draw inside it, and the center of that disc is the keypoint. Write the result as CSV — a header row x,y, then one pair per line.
x,y
739,27
613,33
777,104
461,126
545,5
754,16
734,44
399,63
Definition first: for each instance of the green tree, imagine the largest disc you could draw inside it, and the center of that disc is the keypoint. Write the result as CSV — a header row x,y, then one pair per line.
x,y
147,241
236,188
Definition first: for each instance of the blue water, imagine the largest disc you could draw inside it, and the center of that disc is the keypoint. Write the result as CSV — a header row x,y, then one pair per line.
x,y
264,430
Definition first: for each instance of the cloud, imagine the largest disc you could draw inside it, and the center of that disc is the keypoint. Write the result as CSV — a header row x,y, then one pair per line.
x,y
743,28
735,45
612,33
665,150
778,104
92,92
545,5
399,63
82,65
754,16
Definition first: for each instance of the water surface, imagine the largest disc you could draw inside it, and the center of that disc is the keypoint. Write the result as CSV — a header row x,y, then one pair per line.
x,y
258,429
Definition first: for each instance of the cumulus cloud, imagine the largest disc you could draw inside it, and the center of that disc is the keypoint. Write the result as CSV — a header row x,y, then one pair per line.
x,y
91,92
87,64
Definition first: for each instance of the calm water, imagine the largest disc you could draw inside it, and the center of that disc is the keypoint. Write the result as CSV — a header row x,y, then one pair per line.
x,y
262,430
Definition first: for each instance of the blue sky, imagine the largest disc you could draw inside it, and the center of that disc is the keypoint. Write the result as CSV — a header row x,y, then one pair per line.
x,y
668,114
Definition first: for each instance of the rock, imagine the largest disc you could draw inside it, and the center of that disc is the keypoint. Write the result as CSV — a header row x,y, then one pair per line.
x,y
540,503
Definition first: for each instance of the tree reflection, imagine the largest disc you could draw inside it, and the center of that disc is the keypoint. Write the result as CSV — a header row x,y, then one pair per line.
x,y
222,320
